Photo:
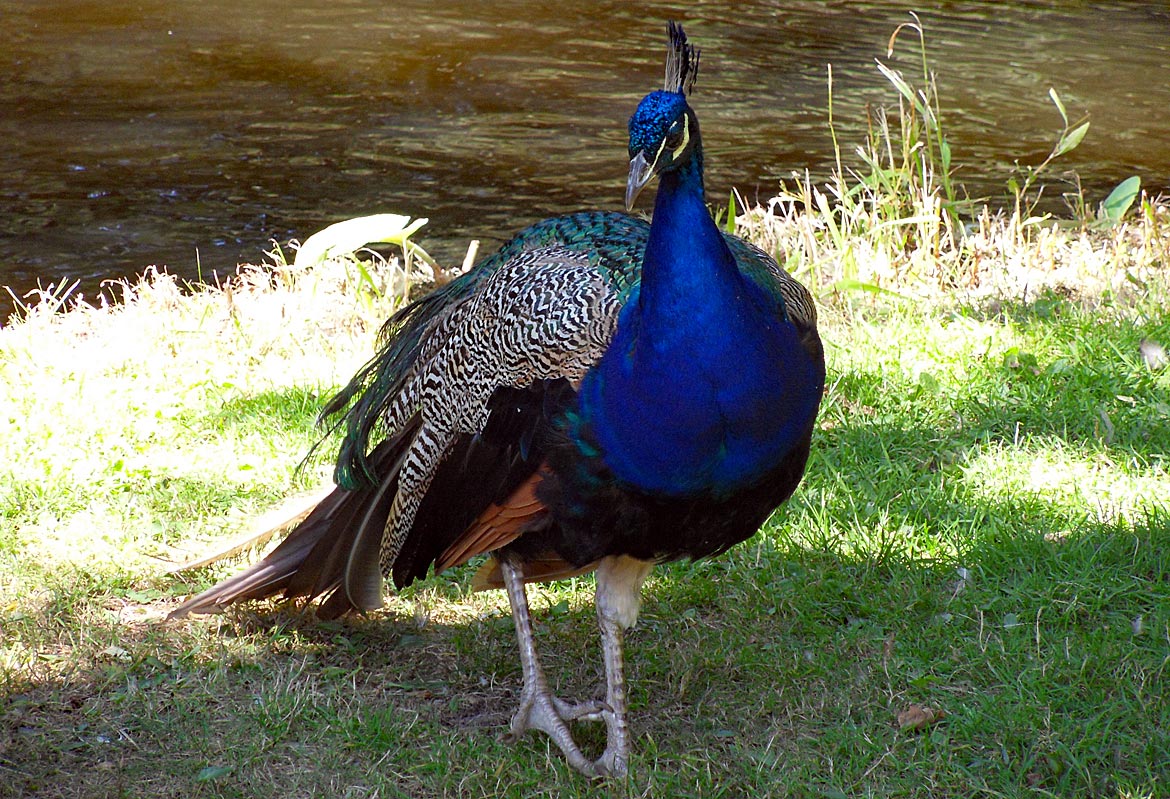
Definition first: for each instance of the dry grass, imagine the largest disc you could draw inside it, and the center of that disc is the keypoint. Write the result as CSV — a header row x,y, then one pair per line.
x,y
167,363
982,530
997,256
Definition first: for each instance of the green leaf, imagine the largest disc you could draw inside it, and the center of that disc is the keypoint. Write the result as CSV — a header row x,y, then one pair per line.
x,y
899,83
730,227
1070,140
212,773
1059,105
853,284
345,237
368,279
1121,198
929,382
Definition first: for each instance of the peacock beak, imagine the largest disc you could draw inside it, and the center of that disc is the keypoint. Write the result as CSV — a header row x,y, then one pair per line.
x,y
640,173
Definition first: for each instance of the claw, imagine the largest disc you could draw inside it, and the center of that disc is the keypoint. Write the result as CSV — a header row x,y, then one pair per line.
x,y
593,710
611,764
538,711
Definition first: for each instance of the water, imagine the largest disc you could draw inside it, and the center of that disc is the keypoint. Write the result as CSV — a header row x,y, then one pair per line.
x,y
191,135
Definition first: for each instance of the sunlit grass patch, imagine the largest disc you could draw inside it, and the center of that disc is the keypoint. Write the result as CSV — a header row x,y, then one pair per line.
x,y
980,533
1103,488
129,424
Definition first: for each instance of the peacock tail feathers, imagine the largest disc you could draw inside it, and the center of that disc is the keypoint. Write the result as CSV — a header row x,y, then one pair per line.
x,y
541,314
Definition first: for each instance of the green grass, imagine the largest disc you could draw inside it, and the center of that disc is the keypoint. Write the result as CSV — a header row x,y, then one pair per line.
x,y
984,530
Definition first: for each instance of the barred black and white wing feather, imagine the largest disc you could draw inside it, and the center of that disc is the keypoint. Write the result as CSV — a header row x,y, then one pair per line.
x,y
503,355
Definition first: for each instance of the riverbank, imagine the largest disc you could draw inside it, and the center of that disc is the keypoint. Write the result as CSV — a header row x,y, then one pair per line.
x,y
983,532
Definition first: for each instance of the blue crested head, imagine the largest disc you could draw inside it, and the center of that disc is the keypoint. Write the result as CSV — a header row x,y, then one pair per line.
x,y
659,116
664,131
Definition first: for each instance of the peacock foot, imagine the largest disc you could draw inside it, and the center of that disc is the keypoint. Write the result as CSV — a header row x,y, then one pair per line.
x,y
540,710
614,762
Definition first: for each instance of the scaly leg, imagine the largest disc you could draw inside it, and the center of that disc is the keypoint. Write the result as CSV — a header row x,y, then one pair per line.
x,y
616,757
619,598
539,709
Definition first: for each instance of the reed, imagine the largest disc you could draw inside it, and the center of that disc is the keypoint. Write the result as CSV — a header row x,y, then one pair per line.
x,y
894,219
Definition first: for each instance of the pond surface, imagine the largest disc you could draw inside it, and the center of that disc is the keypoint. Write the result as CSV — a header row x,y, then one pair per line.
x,y
191,134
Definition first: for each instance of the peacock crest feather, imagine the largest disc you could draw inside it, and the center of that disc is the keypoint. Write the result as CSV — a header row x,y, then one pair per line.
x,y
682,61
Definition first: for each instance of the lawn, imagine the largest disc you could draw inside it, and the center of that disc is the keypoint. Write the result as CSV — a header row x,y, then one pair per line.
x,y
968,596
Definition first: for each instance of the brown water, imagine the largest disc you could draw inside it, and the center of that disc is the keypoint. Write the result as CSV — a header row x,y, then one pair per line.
x,y
190,134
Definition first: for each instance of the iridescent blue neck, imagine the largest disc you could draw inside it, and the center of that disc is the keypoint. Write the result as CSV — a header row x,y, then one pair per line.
x,y
704,387
687,269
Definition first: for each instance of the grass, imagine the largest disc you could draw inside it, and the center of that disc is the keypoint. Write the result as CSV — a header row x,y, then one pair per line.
x,y
969,596
983,531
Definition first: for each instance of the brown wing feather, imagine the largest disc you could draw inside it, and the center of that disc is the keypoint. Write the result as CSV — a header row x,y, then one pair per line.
x,y
536,569
499,525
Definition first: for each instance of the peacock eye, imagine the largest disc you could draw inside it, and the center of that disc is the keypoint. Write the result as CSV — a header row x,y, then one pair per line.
x,y
676,134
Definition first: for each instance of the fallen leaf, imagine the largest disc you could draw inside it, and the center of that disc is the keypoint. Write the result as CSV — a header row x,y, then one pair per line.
x,y
917,717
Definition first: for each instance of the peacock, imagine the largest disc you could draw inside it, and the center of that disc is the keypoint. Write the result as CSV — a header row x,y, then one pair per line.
x,y
602,394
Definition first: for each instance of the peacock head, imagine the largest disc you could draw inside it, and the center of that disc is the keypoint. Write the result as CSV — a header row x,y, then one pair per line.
x,y
664,131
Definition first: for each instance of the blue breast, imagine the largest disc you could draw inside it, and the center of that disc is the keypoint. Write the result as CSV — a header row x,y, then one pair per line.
x,y
705,386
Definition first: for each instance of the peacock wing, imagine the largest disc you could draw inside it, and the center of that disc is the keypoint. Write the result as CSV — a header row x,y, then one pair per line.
x,y
486,373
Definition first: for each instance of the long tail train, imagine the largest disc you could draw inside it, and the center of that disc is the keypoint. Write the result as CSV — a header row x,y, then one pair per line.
x,y
312,561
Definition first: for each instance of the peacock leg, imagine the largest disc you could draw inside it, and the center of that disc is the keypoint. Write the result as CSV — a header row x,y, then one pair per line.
x,y
539,709
616,757
619,598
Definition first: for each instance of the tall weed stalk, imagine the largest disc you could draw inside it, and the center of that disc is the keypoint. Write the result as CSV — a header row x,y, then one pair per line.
x,y
894,218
